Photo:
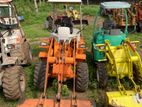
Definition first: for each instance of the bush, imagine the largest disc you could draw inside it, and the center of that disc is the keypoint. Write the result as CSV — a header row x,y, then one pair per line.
x,y
65,90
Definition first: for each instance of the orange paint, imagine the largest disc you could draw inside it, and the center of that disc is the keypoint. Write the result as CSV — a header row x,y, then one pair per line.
x,y
62,58
50,103
42,55
64,69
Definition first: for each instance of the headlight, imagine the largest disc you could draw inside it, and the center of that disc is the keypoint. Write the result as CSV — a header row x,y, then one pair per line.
x,y
82,46
10,46
102,47
43,44
13,40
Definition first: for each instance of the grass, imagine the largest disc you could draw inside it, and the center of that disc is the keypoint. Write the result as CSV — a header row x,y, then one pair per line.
x,y
33,27
90,10
35,31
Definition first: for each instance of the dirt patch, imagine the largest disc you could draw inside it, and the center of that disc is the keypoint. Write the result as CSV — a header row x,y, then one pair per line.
x,y
89,18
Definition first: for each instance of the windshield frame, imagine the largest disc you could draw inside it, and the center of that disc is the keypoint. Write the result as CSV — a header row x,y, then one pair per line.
x,y
7,9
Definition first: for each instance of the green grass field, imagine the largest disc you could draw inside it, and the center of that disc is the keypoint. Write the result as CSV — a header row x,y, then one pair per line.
x,y
34,29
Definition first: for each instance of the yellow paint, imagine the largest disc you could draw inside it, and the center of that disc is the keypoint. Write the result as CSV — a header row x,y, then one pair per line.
x,y
129,100
120,62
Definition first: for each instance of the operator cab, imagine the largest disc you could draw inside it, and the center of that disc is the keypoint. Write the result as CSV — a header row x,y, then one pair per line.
x,y
8,19
64,34
109,25
64,21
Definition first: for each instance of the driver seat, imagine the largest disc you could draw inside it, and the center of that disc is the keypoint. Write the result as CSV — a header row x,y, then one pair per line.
x,y
63,33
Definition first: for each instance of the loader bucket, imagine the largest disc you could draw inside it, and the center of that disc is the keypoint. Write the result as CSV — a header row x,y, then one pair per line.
x,y
131,99
51,103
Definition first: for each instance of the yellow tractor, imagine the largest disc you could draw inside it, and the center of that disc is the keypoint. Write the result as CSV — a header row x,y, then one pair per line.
x,y
71,12
116,56
68,18
122,61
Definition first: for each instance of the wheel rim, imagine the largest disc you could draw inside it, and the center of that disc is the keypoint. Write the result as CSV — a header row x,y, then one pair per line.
x,y
22,83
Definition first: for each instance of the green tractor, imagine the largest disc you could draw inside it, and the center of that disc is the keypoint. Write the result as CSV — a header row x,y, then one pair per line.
x,y
116,56
108,30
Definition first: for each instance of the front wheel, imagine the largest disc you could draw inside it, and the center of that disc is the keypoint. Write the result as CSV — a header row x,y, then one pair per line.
x,y
102,76
139,27
13,82
82,77
39,75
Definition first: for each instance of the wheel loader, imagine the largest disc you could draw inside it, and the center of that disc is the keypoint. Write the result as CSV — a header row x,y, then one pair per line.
x,y
137,8
68,18
63,58
116,56
14,52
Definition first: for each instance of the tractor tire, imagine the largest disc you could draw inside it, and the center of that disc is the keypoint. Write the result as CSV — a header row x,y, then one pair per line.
x,y
102,99
13,82
39,75
136,74
102,76
82,77
139,27
28,53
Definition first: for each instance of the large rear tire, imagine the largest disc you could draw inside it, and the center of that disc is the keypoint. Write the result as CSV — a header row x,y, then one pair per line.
x,y
39,75
13,82
82,77
138,28
102,76
136,74
27,52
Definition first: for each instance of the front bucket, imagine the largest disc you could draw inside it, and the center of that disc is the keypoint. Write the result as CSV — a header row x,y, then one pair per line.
x,y
131,99
50,103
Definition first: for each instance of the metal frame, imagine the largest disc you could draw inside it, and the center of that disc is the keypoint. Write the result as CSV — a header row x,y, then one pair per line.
x,y
65,1
132,56
68,2
115,5
110,5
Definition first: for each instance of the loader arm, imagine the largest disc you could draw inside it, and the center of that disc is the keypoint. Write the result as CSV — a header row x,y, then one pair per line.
x,y
121,59
126,55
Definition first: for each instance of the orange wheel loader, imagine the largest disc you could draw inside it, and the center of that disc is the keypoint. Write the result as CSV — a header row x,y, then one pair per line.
x,y
63,57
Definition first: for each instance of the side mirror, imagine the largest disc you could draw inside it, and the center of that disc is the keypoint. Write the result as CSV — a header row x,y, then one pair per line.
x,y
21,18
